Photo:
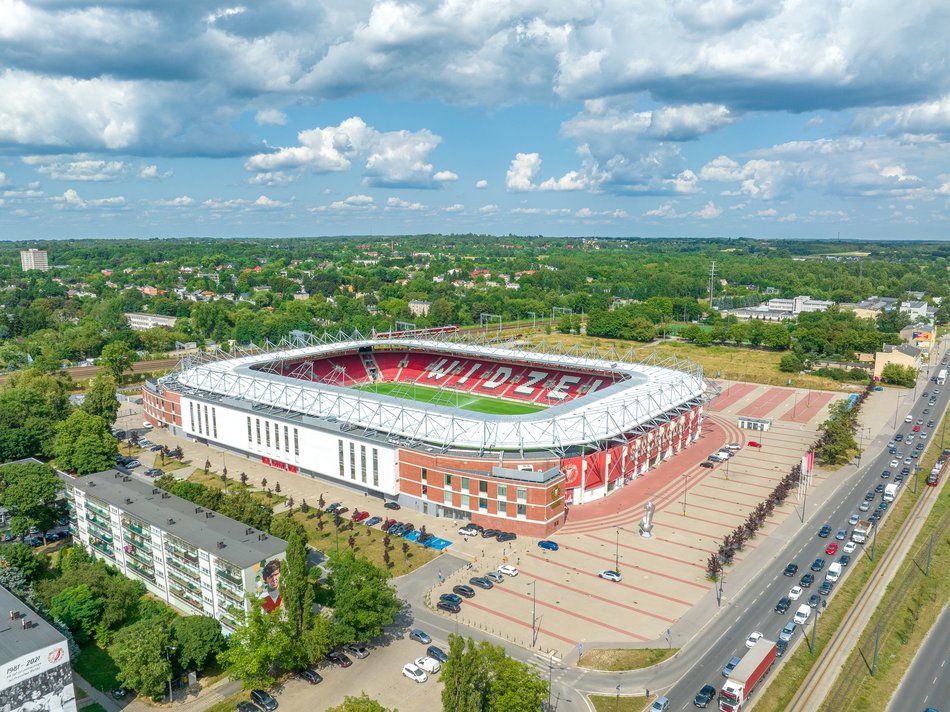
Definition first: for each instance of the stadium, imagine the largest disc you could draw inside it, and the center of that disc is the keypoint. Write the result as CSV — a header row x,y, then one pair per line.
x,y
501,433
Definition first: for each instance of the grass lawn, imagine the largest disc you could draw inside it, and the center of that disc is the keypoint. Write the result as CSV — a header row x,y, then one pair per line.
x,y
624,659
783,687
228,704
612,703
96,666
454,399
94,707
213,479
732,363
368,543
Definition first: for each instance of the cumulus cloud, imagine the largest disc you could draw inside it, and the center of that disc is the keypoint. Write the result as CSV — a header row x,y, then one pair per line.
x,y
152,173
394,203
454,208
587,213
612,125
490,208
351,203
264,202
273,178
71,199
182,201
394,159
525,169
82,169
709,211
481,184
270,117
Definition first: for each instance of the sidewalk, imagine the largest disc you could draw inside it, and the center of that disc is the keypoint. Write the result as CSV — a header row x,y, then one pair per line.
x,y
93,695
186,702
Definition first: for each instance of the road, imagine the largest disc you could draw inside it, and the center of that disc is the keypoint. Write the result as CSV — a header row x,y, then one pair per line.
x,y
80,373
707,644
927,681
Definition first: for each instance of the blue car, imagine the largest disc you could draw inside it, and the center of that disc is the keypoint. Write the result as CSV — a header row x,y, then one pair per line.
x,y
547,544
373,521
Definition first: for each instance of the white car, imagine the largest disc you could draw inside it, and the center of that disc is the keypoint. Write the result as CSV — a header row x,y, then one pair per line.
x,y
147,425
752,639
414,672
465,531
610,575
428,664
864,506
849,547
795,593
909,419
508,570
895,463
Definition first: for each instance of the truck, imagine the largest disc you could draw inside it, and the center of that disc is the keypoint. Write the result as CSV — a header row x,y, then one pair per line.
x,y
941,377
861,531
742,681
890,492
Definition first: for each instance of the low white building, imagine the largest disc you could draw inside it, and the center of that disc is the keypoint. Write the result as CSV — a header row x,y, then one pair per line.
x,y
798,305
140,321
419,307
197,560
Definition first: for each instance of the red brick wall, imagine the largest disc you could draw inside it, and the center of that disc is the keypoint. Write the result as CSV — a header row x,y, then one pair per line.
x,y
158,409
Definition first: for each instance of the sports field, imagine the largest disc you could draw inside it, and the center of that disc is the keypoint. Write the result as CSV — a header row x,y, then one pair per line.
x,y
453,399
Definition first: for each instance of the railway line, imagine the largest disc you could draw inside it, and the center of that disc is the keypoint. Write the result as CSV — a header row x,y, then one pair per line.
x,y
79,373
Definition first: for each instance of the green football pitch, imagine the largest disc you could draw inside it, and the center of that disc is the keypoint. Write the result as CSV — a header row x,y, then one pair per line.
x,y
453,399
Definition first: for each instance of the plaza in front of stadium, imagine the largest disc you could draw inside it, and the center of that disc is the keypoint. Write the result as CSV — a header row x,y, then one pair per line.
x,y
565,446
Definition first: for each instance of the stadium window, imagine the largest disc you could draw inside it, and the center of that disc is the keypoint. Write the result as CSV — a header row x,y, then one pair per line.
x,y
363,463
522,511
286,440
342,467
296,444
447,496
352,461
257,428
207,429
482,504
522,494
214,422
199,420
267,433
375,467
249,438
483,486
465,486
502,507
276,436
465,502
425,475
191,413
425,489
448,481
502,491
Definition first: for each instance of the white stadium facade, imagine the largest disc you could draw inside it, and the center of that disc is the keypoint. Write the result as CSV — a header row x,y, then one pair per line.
x,y
505,435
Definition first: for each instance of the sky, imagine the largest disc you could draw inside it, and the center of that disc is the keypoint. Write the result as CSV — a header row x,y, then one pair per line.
x,y
756,118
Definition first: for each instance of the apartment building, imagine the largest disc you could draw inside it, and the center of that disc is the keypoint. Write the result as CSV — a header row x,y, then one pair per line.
x,y
139,321
197,560
34,259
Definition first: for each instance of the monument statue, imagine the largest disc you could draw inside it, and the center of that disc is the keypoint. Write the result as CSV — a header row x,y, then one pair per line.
x,y
646,524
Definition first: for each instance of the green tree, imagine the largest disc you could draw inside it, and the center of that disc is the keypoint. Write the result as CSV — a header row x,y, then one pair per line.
x,y
363,600
84,444
790,363
100,398
255,648
363,703
464,681
515,687
482,677
899,375
199,640
79,608
19,556
296,590
117,358
139,651
28,491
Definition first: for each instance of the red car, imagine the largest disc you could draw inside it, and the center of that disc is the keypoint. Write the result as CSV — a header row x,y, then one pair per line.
x,y
916,428
359,516
831,548
753,443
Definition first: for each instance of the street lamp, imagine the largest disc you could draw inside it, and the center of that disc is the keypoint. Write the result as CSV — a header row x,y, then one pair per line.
x,y
534,611
685,486
170,649
617,553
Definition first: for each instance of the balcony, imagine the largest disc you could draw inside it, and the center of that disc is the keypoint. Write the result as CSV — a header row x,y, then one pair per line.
x,y
96,508
231,576
104,548
183,595
182,581
145,559
227,621
139,544
186,570
141,571
189,556
233,596
128,524
104,523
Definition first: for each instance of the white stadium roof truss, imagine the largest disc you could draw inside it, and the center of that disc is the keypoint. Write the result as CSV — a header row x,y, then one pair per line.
x,y
668,385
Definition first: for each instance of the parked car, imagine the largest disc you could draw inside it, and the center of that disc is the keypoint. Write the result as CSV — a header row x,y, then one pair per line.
x,y
373,521
610,575
392,505
660,704
753,443
731,665
506,536
508,570
359,516
825,531
818,564
825,588
396,529
464,591
787,632
468,531
414,672
481,582
864,506
548,545
437,654
853,519
490,533
264,700
360,652
331,508
832,548
780,647
310,676
707,464
156,448
844,559
807,580
428,664
339,659
494,577
420,636
342,510
791,570
388,524
132,464
450,597
753,638
849,547
154,472
448,607
783,603
814,600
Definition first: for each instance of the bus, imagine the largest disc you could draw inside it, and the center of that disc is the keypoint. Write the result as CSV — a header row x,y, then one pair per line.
x,y
941,376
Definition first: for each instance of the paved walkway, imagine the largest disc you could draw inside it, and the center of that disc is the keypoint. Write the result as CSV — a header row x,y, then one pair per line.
x,y
93,695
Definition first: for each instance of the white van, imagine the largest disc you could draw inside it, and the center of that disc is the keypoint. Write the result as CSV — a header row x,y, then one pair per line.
x,y
909,419
834,572
802,614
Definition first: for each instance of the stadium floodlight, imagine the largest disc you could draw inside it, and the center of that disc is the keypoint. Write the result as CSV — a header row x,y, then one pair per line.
x,y
485,319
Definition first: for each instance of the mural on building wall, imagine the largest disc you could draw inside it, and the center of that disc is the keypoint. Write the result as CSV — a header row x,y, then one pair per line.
x,y
267,578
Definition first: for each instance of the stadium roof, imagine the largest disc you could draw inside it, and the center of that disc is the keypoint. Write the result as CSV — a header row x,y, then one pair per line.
x,y
647,393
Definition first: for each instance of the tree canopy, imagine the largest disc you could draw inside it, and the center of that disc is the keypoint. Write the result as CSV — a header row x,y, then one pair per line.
x,y
84,444
28,491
